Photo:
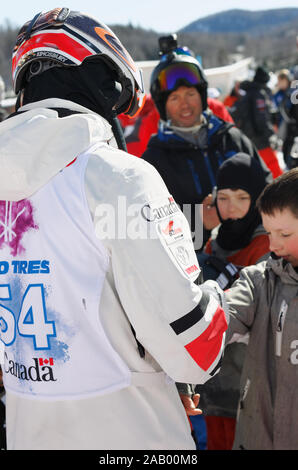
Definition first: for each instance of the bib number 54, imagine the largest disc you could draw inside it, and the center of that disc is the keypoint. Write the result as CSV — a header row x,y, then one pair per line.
x,y
32,319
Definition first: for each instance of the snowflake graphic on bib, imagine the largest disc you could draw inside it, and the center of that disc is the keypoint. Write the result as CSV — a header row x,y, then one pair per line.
x,y
16,218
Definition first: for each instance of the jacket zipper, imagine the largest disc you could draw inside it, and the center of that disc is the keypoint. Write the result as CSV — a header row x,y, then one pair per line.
x,y
245,392
279,328
209,168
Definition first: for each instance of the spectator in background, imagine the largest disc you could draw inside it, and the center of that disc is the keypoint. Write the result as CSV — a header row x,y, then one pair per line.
x,y
191,142
234,95
138,130
283,85
289,126
252,114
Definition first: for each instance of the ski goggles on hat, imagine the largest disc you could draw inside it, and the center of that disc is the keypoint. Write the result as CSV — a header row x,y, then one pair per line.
x,y
169,77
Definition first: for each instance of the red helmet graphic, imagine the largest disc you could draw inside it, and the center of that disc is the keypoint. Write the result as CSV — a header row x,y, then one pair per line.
x,y
62,37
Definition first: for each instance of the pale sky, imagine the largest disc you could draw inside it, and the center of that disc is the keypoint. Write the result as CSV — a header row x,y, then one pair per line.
x,y
164,16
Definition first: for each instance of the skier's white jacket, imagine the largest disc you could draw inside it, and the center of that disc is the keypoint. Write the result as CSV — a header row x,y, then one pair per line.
x,y
99,311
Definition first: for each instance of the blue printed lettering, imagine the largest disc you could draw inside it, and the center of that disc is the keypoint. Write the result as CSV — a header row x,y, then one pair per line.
x,y
23,267
4,267
27,267
33,267
45,268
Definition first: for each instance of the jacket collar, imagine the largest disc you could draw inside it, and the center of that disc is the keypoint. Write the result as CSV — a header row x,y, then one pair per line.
x,y
283,269
57,103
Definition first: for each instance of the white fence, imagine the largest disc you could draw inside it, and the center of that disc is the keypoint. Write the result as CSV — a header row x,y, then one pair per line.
x,y
221,78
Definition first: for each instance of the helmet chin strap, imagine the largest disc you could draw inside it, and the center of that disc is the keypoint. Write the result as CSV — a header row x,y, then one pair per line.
x,y
117,130
111,115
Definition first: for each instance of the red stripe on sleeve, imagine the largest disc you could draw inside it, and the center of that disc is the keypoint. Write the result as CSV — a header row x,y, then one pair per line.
x,y
206,347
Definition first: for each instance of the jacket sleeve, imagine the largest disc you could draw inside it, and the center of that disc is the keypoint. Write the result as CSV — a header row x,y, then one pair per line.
x,y
242,301
182,325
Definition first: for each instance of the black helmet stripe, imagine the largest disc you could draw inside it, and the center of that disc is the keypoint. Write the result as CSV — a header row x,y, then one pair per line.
x,y
82,38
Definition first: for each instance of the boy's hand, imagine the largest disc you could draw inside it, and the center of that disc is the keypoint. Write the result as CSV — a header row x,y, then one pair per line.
x,y
210,217
190,404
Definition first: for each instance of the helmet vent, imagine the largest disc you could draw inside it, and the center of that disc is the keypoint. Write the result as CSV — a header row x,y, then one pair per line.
x,y
63,15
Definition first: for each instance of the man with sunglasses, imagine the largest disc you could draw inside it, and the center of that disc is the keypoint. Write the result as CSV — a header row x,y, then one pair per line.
x,y
191,142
